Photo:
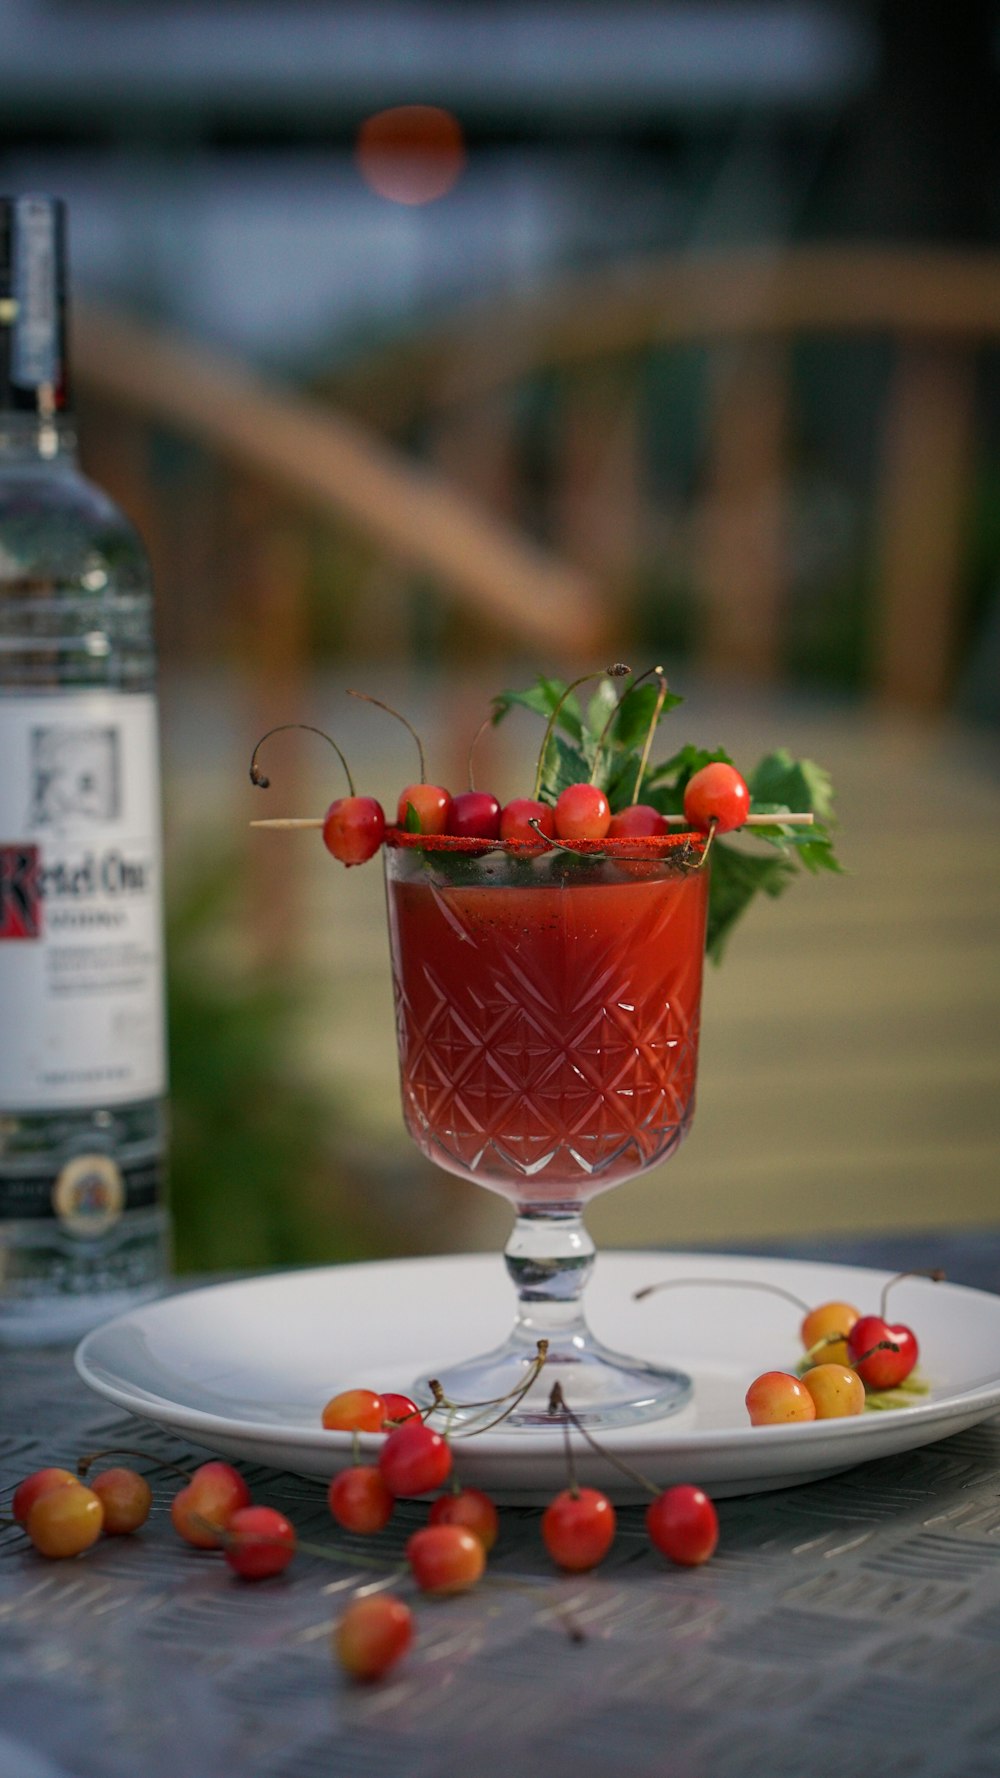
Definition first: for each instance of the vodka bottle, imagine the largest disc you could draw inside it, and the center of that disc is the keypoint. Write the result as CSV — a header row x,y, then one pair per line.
x,y
83,1224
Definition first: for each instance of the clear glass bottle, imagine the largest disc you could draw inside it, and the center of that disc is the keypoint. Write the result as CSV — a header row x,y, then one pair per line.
x,y
83,1220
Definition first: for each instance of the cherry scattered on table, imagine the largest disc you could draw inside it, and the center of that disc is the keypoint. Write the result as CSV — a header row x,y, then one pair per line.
x,y
578,1528
445,1558
683,1525
373,1635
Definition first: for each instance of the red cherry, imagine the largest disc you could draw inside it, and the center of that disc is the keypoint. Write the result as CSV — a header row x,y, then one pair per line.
x,y
684,1525
373,1635
475,815
578,1528
397,1407
445,1558
259,1542
881,1370
716,793
430,804
354,828
414,1459
516,815
126,1497
40,1482
354,1410
472,1509
640,822
582,813
202,1510
359,1499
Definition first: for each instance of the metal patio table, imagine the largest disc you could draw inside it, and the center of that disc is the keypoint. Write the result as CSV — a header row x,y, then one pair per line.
x,y
846,1629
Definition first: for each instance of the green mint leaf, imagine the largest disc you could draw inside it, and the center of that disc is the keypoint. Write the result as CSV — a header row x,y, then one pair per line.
x,y
601,706
542,698
411,820
564,765
736,878
797,784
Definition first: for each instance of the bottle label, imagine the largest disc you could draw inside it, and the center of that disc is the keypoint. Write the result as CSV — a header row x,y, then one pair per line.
x,y
81,920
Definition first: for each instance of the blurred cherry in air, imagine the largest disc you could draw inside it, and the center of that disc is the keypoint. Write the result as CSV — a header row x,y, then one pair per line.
x,y
411,154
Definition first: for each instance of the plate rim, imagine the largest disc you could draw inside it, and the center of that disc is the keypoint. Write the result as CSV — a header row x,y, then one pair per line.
x,y
802,1437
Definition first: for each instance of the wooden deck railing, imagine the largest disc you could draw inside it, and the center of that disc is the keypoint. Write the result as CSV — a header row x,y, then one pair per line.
x,y
419,460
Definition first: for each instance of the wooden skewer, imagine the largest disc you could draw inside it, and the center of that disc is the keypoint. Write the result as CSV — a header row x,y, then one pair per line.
x,y
671,820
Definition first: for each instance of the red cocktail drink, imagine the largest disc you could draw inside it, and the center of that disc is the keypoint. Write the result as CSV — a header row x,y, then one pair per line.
x,y
548,1018
547,1009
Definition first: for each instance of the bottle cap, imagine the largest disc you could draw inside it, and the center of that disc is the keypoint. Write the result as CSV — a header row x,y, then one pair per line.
x,y
33,376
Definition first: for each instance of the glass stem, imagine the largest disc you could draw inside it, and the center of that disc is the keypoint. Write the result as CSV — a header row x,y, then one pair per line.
x,y
549,1257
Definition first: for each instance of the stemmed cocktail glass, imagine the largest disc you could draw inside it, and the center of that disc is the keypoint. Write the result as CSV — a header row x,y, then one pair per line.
x,y
547,1007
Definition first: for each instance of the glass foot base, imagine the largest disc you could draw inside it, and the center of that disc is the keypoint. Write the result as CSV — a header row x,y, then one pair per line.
x,y
601,1387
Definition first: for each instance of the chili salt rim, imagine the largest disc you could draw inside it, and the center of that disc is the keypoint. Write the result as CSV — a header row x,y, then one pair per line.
x,y
651,846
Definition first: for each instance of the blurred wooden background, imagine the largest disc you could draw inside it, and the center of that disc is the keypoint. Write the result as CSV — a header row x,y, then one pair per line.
x,y
626,462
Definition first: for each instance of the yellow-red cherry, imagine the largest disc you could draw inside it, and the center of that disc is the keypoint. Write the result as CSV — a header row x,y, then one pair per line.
x,y
517,815
431,806
578,1528
474,815
259,1542
683,1524
821,1327
372,1635
582,813
473,1510
201,1511
837,1391
445,1558
639,822
41,1481
776,1397
354,1410
354,828
65,1521
359,1499
716,794
414,1459
126,1497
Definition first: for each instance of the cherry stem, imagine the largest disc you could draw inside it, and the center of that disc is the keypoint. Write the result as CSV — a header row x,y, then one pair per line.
x,y
832,1339
559,1404
486,723
83,1464
256,775
882,1346
514,1395
706,849
661,697
936,1276
602,737
725,1284
367,698
549,839
616,671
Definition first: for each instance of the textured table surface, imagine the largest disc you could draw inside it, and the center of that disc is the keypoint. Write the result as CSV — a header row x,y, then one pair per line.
x,y
850,1627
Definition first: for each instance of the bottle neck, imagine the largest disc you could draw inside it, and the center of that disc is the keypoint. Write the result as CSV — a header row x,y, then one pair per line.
x,y
36,440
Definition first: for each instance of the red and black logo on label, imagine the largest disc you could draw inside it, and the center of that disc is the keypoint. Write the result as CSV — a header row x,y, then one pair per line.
x,y
20,892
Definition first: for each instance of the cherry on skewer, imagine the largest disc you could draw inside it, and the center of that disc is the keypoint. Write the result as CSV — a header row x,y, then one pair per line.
x,y
430,803
353,826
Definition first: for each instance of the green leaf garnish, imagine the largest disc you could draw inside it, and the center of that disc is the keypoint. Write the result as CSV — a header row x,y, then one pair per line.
x,y
411,820
605,743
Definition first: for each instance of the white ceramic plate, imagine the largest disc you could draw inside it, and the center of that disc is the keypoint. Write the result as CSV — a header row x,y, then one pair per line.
x,y
244,1369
